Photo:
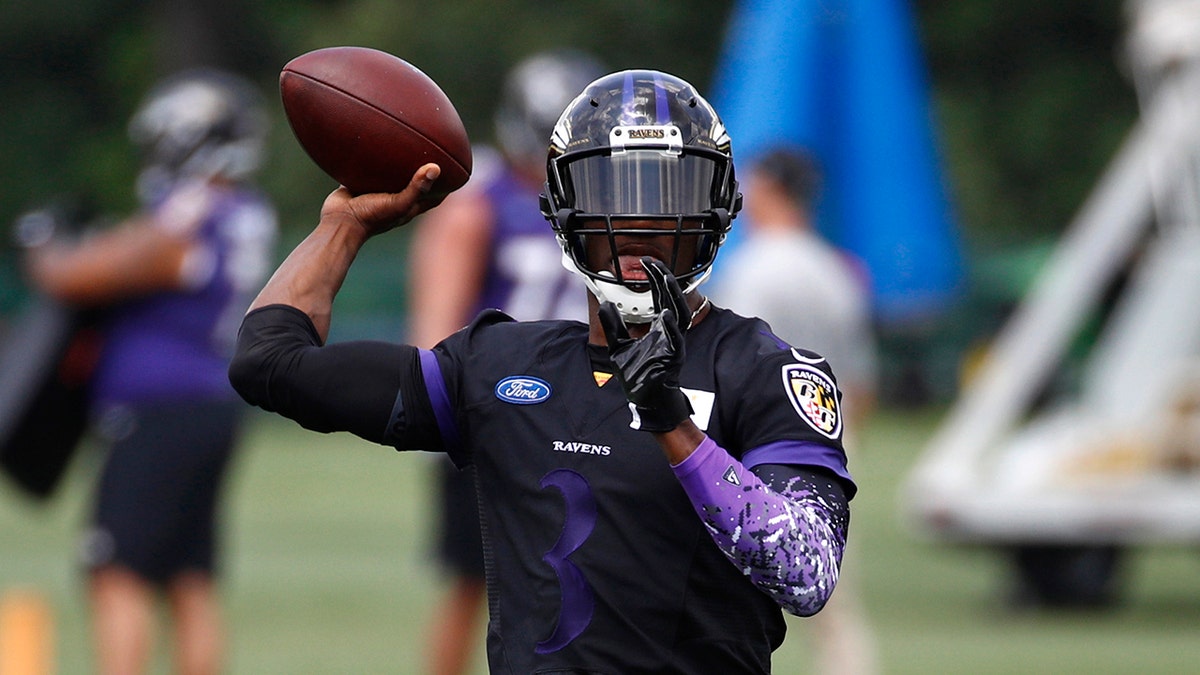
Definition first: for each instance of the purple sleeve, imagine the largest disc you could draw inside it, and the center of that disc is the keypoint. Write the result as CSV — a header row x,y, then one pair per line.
x,y
789,542
439,398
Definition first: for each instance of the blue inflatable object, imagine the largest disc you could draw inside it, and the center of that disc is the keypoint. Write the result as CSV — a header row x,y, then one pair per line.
x,y
846,80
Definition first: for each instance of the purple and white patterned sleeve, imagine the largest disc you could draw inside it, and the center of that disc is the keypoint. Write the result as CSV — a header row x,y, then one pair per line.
x,y
788,540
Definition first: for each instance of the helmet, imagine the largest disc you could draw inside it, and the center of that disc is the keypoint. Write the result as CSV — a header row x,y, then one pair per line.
x,y
640,145
200,124
535,93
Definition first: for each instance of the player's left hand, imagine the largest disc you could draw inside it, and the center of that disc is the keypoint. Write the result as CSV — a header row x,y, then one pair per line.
x,y
648,368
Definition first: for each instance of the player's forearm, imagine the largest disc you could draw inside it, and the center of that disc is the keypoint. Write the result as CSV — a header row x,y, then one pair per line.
x,y
116,265
313,273
790,544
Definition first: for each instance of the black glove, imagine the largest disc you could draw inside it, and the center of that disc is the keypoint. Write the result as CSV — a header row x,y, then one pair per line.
x,y
648,368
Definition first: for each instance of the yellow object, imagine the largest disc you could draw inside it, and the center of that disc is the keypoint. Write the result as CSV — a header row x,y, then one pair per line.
x,y
26,634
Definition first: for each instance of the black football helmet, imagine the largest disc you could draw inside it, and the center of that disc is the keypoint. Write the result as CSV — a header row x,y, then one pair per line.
x,y
199,124
639,145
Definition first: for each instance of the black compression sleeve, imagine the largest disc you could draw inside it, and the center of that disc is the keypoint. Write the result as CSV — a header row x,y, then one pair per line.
x,y
783,478
281,367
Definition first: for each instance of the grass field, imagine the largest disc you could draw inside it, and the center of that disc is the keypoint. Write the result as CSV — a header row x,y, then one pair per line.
x,y
327,572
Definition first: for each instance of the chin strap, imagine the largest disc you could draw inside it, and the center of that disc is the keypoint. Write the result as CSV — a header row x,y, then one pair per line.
x,y
633,306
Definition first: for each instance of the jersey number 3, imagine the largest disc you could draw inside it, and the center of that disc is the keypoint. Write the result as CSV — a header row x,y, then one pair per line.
x,y
577,601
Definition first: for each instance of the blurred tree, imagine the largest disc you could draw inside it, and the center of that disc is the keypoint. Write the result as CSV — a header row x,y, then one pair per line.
x,y
1033,104
1029,96
224,33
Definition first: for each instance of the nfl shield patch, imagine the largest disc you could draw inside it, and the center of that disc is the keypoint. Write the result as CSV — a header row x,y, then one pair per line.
x,y
814,397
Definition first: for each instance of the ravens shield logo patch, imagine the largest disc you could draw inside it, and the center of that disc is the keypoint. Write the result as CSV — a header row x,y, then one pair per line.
x,y
814,397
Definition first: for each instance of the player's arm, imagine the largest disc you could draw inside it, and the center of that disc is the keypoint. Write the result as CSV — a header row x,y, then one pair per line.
x,y
310,277
447,264
281,365
149,252
281,362
784,526
130,260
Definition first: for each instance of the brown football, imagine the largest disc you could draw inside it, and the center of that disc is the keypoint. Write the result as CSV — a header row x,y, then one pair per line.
x,y
370,119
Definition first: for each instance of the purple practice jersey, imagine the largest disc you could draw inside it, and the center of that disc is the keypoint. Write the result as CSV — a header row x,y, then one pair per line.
x,y
176,345
524,276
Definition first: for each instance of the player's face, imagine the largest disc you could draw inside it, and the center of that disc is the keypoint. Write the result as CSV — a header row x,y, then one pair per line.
x,y
625,251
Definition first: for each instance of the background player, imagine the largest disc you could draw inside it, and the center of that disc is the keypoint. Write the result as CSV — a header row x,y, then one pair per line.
x,y
814,295
176,279
488,245
602,557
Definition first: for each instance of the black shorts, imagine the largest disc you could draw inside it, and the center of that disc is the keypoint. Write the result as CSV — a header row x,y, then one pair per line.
x,y
459,541
156,502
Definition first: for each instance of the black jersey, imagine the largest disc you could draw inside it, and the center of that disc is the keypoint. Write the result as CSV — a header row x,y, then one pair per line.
x,y
596,561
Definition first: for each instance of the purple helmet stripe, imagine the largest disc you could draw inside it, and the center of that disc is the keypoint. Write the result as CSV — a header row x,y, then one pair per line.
x,y
627,99
661,114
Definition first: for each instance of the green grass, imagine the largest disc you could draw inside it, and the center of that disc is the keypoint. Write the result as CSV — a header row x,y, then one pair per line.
x,y
327,571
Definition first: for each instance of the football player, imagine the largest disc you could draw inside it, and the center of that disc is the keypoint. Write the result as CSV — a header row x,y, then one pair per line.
x,y
174,279
655,484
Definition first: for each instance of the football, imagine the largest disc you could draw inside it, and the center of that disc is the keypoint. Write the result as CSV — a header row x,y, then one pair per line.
x,y
370,119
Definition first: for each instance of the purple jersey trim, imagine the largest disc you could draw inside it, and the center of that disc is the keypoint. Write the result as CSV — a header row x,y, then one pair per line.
x,y
439,398
800,453
788,543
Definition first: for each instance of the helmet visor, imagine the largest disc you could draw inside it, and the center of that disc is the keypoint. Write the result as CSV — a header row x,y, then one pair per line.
x,y
642,181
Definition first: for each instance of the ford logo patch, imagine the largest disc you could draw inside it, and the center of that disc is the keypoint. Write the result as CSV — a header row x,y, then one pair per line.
x,y
522,390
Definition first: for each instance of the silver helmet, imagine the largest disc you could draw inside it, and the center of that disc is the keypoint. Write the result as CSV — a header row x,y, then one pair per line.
x,y
200,124
534,95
